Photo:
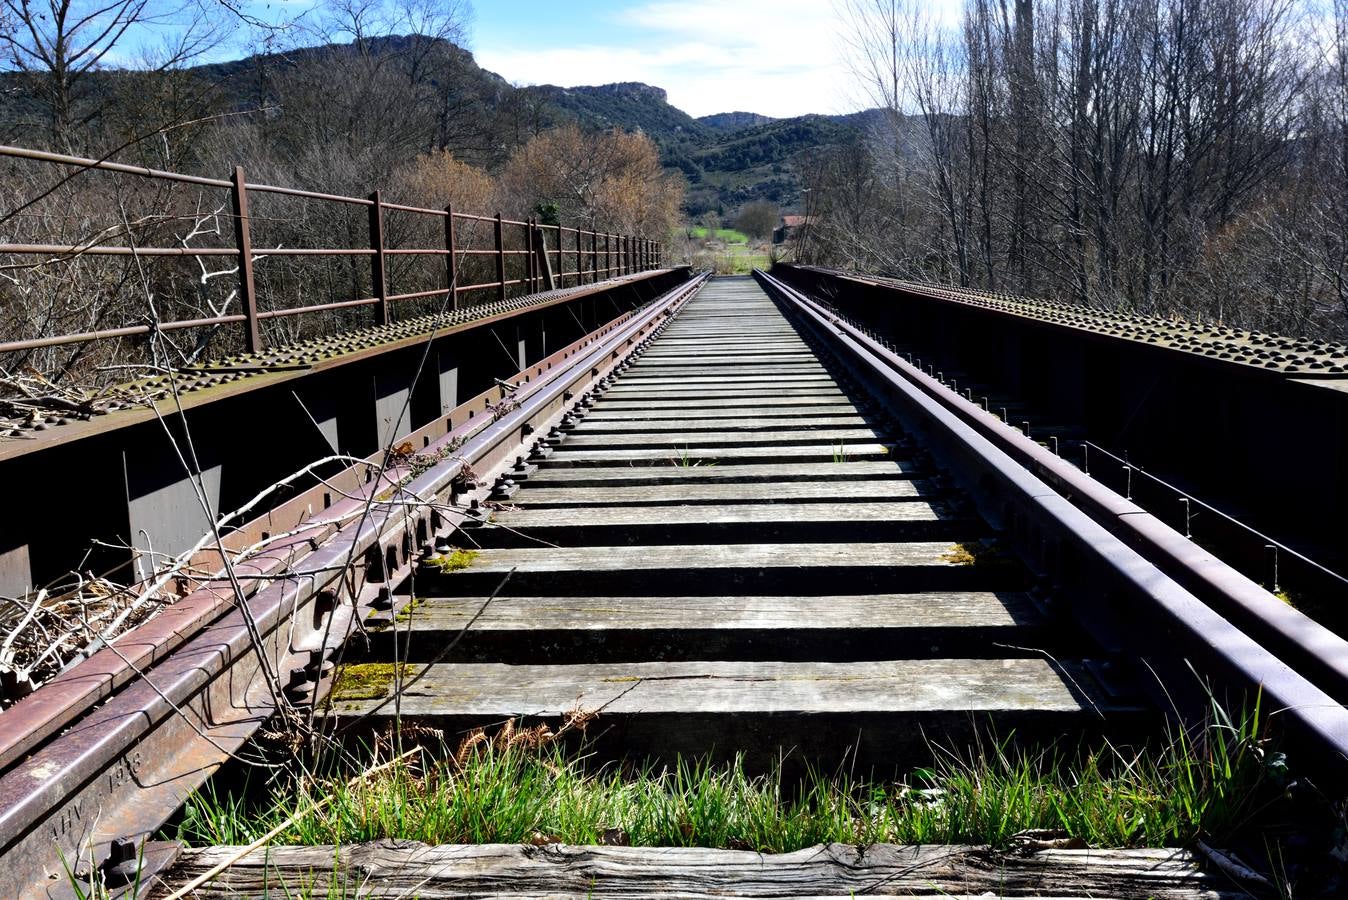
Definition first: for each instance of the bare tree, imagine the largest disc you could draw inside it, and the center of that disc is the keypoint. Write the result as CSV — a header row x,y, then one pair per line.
x,y
57,44
757,219
1163,155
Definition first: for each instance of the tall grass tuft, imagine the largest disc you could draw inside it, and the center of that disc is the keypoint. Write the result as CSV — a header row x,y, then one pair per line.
x,y
1210,783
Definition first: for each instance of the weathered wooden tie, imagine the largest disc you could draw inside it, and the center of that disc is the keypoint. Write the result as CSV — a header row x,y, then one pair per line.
x,y
733,550
406,868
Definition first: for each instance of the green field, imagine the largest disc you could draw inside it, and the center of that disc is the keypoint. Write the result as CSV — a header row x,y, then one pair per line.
x,y
729,235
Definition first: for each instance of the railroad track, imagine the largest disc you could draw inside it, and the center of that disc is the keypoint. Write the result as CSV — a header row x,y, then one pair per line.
x,y
733,524
748,554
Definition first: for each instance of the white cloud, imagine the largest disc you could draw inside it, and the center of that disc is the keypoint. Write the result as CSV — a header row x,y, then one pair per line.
x,y
775,57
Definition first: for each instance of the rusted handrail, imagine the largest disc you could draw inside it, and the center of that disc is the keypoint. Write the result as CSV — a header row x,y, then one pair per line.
x,y
620,254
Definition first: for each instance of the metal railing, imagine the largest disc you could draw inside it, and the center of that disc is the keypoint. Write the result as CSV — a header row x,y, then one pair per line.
x,y
1282,566
596,255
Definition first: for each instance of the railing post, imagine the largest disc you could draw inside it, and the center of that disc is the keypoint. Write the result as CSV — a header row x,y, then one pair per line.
x,y
561,257
243,235
608,255
530,282
378,274
500,261
547,279
580,259
451,260
594,256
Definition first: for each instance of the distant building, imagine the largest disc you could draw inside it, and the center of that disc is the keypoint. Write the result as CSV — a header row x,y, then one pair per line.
x,y
789,227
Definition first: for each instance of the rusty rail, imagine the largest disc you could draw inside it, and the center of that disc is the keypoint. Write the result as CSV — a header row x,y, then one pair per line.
x,y
118,773
1203,606
620,255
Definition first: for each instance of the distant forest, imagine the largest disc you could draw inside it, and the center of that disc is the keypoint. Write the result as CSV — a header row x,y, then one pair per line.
x,y
1162,156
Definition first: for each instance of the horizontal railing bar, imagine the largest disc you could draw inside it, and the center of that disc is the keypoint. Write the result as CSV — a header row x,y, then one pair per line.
x,y
105,165
419,294
126,331
117,250
318,307
306,195
411,251
489,284
402,207
113,250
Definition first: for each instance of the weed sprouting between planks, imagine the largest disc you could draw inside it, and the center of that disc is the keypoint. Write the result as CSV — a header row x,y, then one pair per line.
x,y
1210,784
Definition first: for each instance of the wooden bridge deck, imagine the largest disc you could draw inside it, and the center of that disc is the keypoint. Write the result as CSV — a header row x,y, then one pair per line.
x,y
732,551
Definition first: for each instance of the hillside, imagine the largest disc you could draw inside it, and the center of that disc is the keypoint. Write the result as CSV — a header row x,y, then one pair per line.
x,y
628,105
729,159
734,121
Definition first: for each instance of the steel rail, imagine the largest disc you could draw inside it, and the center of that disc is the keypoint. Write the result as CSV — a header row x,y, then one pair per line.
x,y
1041,509
72,692
120,772
1316,652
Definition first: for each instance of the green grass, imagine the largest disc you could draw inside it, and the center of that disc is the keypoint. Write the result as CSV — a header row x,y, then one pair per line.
x,y
684,461
728,235
731,263
1211,784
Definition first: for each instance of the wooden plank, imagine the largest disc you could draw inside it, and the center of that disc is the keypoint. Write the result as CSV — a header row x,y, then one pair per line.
x,y
742,379
708,372
971,610
598,476
723,405
666,394
787,414
723,493
733,523
594,629
398,869
719,455
795,557
809,567
686,359
740,423
673,440
694,355
671,347
741,512
705,690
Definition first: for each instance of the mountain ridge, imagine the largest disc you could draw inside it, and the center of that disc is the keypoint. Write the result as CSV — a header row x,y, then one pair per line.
x,y
728,159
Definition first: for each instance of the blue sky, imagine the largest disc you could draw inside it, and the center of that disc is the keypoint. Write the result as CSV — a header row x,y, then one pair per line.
x,y
776,57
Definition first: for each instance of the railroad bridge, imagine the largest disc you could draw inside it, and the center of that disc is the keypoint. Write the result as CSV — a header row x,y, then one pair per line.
x,y
805,514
